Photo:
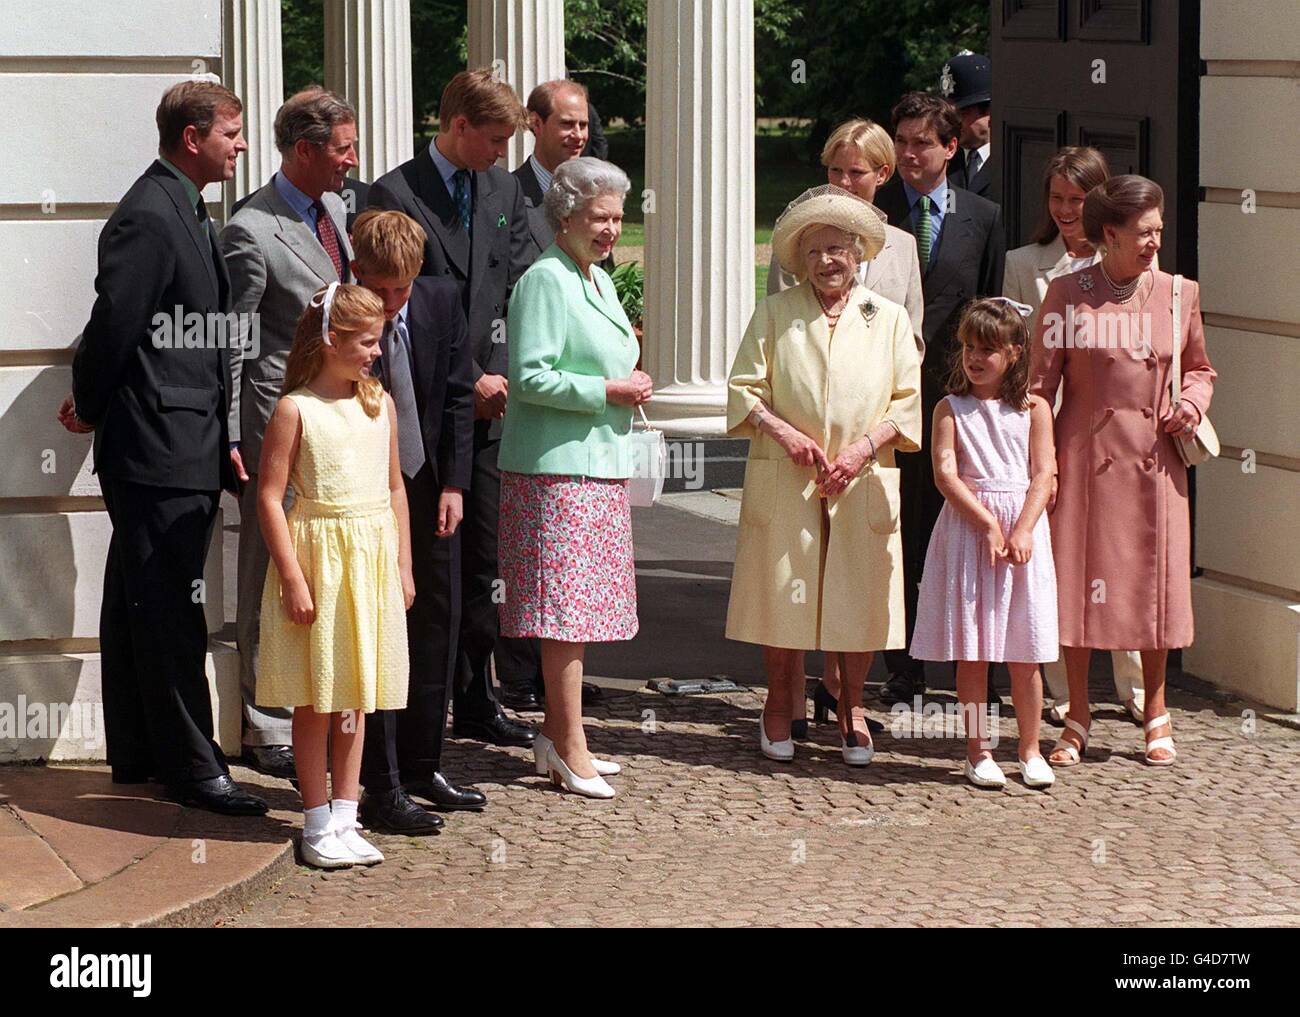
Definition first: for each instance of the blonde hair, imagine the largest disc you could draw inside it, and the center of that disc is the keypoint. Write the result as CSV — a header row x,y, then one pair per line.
x,y
387,244
867,138
353,311
481,97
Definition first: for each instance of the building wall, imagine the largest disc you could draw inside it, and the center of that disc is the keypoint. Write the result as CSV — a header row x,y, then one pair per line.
x,y
1248,512
79,82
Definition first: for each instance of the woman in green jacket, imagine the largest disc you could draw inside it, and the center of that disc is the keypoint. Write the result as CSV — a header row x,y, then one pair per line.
x,y
565,528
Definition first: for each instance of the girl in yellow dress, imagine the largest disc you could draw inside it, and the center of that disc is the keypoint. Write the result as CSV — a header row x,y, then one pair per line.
x,y
333,642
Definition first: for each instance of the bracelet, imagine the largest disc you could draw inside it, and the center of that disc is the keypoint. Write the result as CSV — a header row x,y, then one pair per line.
x,y
873,447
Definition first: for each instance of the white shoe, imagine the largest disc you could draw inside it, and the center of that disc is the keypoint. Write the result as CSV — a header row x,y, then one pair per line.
x,y
327,852
1135,708
592,787
856,755
363,852
1166,742
1036,772
782,751
542,745
985,773
1073,755
1058,711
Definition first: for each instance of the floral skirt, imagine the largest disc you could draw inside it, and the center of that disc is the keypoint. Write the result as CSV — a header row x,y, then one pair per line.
x,y
565,556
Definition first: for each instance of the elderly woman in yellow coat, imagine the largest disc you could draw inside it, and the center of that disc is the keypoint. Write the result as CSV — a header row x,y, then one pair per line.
x,y
826,385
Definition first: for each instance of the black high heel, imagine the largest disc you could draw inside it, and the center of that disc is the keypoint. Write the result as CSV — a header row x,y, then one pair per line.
x,y
825,706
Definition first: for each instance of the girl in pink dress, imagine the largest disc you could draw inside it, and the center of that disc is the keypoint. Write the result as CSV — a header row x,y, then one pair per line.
x,y
988,591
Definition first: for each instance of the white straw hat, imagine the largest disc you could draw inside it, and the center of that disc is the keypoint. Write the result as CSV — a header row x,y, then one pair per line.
x,y
827,205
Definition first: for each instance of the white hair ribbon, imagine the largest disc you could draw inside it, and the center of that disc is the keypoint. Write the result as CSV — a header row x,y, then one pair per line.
x,y
324,301
1024,310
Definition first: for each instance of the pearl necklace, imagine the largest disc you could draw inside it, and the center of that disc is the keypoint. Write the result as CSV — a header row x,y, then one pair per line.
x,y
832,318
1122,293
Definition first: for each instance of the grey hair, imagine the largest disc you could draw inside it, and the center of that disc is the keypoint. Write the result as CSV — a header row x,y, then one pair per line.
x,y
579,181
310,115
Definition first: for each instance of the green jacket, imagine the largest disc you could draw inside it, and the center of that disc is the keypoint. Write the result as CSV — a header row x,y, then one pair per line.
x,y
566,338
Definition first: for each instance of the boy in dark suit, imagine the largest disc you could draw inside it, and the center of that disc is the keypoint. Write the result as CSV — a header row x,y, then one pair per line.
x,y
425,366
959,239
476,234
158,409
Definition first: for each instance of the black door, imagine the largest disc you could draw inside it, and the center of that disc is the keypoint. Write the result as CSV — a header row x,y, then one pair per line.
x,y
1120,75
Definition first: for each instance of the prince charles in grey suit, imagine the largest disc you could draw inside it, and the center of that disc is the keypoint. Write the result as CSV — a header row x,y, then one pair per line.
x,y
288,240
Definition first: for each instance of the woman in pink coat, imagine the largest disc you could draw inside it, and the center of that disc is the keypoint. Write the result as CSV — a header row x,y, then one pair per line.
x,y
1121,533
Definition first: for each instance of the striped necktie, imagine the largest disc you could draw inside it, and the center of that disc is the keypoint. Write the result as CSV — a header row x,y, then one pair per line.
x,y
923,230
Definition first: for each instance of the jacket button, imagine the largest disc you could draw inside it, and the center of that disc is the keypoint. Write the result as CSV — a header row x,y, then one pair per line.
x,y
1151,361
1110,358
1107,461
1148,412
1110,411
1148,463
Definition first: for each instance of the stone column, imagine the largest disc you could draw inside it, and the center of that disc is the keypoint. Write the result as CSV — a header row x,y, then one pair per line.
x,y
523,40
251,66
700,228
368,62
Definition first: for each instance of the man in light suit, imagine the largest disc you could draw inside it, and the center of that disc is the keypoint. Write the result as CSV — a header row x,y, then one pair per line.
x,y
961,247
158,410
286,241
476,226
967,83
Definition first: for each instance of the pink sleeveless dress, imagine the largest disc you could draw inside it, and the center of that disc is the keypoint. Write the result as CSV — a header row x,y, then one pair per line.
x,y
968,610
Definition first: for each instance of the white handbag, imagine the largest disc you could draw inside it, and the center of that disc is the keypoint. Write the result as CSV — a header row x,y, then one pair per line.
x,y
649,451
1204,444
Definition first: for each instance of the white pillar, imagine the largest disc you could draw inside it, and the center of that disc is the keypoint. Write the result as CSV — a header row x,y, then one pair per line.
x,y
700,235
251,67
523,40
368,62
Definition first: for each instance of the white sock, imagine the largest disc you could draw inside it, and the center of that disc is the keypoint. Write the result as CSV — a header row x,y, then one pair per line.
x,y
344,814
316,822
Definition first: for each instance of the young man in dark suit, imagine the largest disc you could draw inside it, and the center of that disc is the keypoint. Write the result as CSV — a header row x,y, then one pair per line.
x,y
425,366
158,409
960,242
476,227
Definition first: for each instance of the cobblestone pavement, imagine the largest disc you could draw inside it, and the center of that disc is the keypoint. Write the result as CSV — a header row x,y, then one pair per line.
x,y
705,831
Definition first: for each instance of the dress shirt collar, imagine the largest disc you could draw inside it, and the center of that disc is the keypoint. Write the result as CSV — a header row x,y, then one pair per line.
x,y
543,175
191,191
302,203
445,167
938,197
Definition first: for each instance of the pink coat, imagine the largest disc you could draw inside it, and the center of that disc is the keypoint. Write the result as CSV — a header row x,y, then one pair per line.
x,y
1121,534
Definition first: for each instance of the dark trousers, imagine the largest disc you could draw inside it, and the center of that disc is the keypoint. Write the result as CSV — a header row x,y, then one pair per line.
x,y
921,503
406,744
153,636
518,660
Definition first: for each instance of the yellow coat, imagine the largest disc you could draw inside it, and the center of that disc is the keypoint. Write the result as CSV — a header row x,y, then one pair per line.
x,y
805,581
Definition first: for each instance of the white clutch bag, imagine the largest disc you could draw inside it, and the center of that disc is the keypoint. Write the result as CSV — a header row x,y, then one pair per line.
x,y
649,451
1203,445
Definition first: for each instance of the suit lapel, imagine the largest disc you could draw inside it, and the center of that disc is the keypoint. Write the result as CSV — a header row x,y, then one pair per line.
x,y
440,213
202,240
299,237
875,266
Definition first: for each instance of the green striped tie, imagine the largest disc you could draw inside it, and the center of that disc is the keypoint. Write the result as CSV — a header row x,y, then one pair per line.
x,y
923,232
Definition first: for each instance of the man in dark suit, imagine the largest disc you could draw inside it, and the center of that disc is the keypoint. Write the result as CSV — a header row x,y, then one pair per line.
x,y
967,83
425,366
557,116
158,407
960,242
477,235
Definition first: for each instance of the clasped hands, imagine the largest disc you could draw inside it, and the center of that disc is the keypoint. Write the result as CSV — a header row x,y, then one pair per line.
x,y
832,476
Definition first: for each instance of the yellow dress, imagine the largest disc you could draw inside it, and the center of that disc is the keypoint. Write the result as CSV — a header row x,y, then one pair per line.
x,y
354,655
814,573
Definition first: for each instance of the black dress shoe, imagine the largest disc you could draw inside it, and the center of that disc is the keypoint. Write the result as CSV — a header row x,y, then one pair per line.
x,y
825,705
218,794
272,760
443,794
901,688
499,730
520,699
394,812
130,775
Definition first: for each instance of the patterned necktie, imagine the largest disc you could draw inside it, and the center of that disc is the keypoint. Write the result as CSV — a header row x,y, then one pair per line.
x,y
329,238
396,356
461,196
923,231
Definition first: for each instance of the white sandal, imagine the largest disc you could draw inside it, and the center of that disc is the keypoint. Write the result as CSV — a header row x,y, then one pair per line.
x,y
1165,742
1068,747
